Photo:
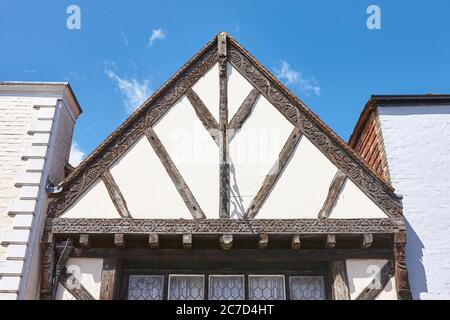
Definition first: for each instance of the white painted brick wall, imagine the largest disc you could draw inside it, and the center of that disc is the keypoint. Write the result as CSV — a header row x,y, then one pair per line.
x,y
417,143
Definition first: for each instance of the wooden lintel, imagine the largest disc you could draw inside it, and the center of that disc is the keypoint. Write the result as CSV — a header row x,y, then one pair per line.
x,y
333,193
377,285
207,119
226,241
119,240
331,241
175,175
276,171
153,240
187,241
367,241
115,194
84,240
109,278
242,113
296,242
339,280
263,241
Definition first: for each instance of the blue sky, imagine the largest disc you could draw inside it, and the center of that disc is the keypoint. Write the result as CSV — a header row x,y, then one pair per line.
x,y
322,50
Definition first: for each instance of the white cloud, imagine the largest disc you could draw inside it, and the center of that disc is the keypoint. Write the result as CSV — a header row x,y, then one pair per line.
x,y
296,79
124,37
134,93
157,34
76,154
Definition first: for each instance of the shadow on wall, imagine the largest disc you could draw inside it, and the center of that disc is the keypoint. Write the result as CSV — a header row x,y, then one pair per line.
x,y
414,261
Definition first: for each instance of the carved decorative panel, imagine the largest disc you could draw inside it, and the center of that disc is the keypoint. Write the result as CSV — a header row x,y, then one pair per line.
x,y
145,287
307,288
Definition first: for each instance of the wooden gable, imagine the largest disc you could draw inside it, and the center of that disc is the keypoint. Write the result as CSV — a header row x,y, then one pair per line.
x,y
224,139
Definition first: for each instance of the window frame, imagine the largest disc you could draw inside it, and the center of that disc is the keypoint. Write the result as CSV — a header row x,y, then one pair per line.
x,y
244,283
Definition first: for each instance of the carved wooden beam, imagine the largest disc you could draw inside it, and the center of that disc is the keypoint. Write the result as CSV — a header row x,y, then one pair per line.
x,y
84,240
115,194
401,270
226,241
47,265
74,286
378,283
367,241
109,277
296,242
331,241
203,114
224,169
275,173
263,241
339,281
153,240
333,193
187,241
119,240
242,113
175,175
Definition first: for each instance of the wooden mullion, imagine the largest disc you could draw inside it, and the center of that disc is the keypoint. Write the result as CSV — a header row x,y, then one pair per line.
x,y
339,280
109,278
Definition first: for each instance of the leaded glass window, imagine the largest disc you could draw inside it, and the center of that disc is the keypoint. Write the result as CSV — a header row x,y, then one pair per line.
x,y
145,287
226,287
266,288
307,288
186,287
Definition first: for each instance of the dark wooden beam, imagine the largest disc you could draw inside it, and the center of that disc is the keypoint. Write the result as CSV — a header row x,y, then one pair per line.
x,y
226,242
401,270
66,226
263,241
274,174
115,194
296,242
203,114
224,166
339,281
367,241
235,255
119,240
47,265
64,250
333,193
84,240
331,241
175,175
109,278
187,241
242,113
74,286
153,240
378,283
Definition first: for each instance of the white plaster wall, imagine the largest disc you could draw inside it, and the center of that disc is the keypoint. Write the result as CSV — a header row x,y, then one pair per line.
x,y
303,186
361,272
238,90
352,203
146,186
417,143
253,152
194,153
88,271
207,88
95,202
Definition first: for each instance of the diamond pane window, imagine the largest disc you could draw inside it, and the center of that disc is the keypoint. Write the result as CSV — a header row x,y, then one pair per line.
x,y
226,287
145,287
307,288
186,287
266,288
